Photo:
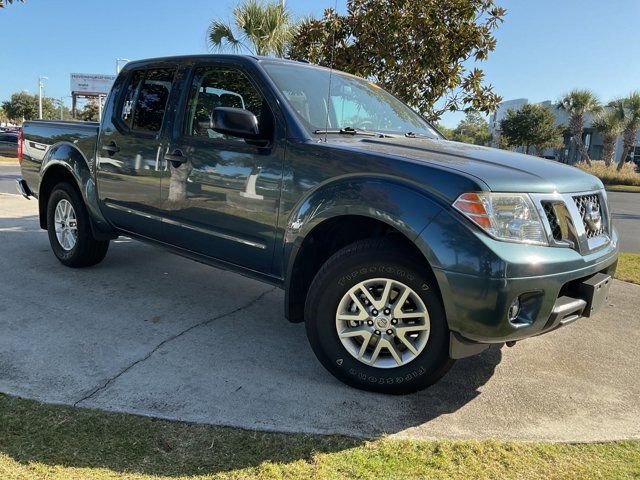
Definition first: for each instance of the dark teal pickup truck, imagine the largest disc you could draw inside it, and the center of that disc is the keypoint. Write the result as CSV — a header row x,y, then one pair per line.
x,y
400,250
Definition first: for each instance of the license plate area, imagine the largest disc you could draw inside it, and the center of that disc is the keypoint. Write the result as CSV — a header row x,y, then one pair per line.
x,y
595,291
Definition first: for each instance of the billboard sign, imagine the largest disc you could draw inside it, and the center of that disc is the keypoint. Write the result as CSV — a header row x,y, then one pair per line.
x,y
91,84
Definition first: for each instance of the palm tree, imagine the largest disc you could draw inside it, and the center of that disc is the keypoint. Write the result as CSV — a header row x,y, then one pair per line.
x,y
609,124
577,103
264,28
628,110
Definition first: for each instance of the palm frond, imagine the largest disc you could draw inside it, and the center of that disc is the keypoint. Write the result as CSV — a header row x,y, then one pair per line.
x,y
220,37
608,122
579,102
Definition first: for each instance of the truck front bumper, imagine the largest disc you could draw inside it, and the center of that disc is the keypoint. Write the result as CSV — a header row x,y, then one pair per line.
x,y
553,287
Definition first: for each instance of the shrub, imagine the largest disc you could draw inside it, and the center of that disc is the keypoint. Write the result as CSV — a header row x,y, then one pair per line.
x,y
609,176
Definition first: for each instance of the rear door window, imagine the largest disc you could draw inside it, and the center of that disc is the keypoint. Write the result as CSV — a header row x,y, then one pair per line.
x,y
130,95
152,100
145,99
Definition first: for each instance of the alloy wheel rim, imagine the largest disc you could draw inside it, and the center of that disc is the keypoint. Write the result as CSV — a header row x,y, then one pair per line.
x,y
383,323
66,225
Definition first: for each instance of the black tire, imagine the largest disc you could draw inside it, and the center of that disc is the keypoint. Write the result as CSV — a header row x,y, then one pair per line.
x,y
353,264
87,250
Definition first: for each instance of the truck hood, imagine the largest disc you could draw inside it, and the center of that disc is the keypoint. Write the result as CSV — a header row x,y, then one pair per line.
x,y
500,170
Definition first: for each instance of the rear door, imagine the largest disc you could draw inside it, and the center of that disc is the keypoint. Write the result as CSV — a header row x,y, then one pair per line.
x,y
222,199
129,151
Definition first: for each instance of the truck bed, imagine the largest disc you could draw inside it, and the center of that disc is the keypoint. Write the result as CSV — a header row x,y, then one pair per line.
x,y
40,136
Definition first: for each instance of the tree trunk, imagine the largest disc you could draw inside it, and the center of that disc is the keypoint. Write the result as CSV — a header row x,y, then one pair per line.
x,y
577,127
625,152
608,149
178,184
583,151
628,139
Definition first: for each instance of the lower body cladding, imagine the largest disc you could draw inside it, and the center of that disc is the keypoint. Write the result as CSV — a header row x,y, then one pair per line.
x,y
483,311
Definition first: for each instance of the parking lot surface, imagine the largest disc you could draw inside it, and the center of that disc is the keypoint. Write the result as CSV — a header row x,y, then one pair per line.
x,y
150,333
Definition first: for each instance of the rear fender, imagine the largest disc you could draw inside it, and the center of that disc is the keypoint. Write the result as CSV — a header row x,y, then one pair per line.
x,y
69,157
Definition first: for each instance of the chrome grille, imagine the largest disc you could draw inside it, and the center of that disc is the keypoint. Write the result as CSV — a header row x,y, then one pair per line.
x,y
590,210
552,217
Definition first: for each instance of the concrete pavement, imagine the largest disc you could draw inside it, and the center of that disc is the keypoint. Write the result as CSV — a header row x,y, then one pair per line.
x,y
151,333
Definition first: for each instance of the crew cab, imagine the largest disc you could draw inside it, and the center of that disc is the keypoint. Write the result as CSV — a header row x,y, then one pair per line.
x,y
400,250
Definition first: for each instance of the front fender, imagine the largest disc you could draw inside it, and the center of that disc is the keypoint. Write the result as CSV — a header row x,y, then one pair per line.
x,y
69,157
394,203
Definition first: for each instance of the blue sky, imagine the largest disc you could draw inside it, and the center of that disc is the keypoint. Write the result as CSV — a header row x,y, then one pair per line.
x,y
544,49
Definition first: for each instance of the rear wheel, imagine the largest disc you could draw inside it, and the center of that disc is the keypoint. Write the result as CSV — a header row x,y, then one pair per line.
x,y
69,230
375,320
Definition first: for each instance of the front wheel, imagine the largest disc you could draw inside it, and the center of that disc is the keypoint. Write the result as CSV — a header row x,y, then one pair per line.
x,y
375,320
69,230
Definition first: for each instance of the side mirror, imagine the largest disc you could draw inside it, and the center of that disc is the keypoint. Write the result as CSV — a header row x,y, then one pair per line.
x,y
235,121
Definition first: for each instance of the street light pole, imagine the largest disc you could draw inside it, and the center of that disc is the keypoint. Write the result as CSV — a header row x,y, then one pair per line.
x,y
118,60
40,79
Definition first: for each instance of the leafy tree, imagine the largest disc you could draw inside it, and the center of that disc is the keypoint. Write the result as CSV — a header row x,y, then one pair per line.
x,y
418,50
264,28
3,115
628,110
473,129
22,105
446,131
3,3
89,112
609,124
530,125
577,103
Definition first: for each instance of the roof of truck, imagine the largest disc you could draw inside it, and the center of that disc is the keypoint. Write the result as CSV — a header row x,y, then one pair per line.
x,y
200,57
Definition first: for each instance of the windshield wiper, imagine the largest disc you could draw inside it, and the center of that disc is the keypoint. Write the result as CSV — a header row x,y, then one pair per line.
x,y
351,131
416,135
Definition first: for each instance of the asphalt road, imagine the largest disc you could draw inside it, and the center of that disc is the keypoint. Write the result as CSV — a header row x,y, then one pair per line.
x,y
625,208
151,333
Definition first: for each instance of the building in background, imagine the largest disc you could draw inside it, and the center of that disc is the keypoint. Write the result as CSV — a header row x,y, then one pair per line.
x,y
569,152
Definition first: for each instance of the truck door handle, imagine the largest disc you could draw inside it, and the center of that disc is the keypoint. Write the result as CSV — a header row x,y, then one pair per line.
x,y
111,148
176,158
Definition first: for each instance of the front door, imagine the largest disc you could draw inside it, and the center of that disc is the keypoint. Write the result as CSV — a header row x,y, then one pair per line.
x,y
221,196
129,152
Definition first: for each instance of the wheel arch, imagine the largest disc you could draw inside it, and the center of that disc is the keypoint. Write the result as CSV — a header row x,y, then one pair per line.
x,y
344,213
66,163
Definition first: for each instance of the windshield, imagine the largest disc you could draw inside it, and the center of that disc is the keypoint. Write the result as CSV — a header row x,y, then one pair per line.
x,y
353,102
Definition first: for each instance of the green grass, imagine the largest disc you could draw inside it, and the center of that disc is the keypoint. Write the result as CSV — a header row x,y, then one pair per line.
x,y
57,442
629,267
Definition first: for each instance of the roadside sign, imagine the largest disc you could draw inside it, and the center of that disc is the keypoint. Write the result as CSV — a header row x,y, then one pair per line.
x,y
91,83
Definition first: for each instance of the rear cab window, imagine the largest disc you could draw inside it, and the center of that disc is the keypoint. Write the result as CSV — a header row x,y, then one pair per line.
x,y
145,99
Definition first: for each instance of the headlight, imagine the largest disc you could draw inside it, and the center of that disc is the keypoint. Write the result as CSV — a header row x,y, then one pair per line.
x,y
505,216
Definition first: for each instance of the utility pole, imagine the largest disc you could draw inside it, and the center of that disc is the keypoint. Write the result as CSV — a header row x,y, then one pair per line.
x,y
118,60
40,79
61,100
